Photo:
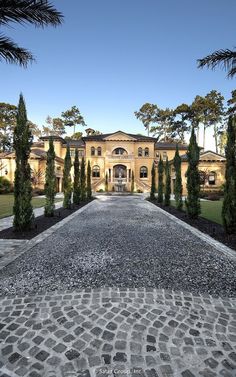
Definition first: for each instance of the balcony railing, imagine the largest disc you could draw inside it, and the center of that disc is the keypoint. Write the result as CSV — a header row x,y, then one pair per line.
x,y
120,156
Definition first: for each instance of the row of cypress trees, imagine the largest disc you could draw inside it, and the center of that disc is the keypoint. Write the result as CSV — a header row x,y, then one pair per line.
x,y
192,201
22,208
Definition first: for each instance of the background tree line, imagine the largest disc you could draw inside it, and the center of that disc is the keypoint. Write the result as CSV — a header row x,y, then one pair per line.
x,y
173,125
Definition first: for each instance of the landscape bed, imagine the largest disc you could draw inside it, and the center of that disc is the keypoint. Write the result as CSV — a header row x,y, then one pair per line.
x,y
41,223
206,226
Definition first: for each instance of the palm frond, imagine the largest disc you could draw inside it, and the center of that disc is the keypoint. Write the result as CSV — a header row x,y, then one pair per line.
x,y
12,53
37,12
225,59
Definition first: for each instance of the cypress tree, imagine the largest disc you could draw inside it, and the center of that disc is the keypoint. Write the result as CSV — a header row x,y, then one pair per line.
x,y
229,203
160,181
89,188
22,141
167,185
193,178
132,182
50,181
153,185
76,184
106,182
82,181
178,188
67,186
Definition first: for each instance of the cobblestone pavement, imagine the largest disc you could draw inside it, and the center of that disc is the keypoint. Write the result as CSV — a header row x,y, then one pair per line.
x,y
117,332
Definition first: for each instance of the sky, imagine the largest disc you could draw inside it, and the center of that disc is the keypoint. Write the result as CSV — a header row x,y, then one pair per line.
x,y
110,57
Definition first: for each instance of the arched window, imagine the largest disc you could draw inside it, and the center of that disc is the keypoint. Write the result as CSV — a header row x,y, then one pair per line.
x,y
146,152
140,152
164,156
92,151
212,178
119,151
96,172
99,151
143,172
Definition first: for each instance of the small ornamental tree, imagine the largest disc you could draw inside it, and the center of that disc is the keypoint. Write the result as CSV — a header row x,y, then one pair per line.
x,y
132,182
178,187
193,178
67,186
89,184
76,184
160,180
229,203
106,182
50,181
167,185
153,186
82,181
22,141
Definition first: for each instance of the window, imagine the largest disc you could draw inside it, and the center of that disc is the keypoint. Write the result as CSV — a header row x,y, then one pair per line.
x,y
146,152
140,152
143,172
72,153
81,153
96,172
92,151
158,156
212,178
119,151
164,156
99,151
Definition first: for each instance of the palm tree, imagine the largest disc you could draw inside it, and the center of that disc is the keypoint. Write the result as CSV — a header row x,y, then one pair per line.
x,y
223,58
36,12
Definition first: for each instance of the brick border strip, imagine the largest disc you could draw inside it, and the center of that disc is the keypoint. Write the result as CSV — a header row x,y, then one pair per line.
x,y
227,251
42,236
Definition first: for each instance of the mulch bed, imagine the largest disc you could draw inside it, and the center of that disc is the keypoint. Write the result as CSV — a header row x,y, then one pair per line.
x,y
211,228
41,223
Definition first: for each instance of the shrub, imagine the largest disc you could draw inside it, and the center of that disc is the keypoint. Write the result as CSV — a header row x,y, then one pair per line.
x,y
213,197
37,192
5,185
100,190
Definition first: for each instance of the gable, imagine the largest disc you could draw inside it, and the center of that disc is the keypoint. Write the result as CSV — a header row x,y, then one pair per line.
x,y
119,136
211,156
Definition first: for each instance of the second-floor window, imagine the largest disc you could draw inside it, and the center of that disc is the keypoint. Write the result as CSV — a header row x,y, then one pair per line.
x,y
99,150
164,156
146,152
92,151
140,152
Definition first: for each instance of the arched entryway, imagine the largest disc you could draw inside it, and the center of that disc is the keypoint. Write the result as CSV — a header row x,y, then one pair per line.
x,y
120,177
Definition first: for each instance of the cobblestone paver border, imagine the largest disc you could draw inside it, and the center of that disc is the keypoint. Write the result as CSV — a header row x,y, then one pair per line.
x,y
27,245
117,332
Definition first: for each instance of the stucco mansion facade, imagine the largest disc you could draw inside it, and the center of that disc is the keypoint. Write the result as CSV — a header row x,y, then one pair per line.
x,y
119,154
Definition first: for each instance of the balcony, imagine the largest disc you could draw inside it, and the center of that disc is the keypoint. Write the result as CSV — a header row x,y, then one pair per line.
x,y
119,157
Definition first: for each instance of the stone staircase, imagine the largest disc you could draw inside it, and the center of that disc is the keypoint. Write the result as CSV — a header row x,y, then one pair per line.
x,y
97,184
142,185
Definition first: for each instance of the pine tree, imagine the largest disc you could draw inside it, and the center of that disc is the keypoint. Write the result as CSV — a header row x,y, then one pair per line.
x,y
22,209
160,181
132,182
67,186
106,182
50,181
153,186
76,184
167,185
89,184
229,204
193,178
82,181
178,188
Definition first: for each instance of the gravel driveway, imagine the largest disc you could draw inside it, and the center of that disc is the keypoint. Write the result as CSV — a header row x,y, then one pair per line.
x,y
121,242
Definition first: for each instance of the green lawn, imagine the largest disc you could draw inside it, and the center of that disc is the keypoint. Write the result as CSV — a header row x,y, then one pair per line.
x,y
7,200
211,210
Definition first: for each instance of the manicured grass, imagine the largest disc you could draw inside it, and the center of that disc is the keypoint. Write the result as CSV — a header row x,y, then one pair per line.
x,y
211,210
7,200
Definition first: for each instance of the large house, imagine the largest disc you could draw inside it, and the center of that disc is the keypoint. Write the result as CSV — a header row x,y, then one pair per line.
x,y
118,155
